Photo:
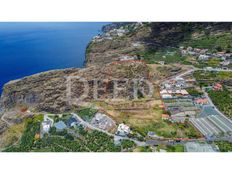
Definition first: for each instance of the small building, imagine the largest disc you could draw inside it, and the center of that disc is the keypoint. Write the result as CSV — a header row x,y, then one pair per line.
x,y
161,62
60,126
203,57
184,92
165,117
104,122
164,91
184,52
221,54
217,87
189,49
166,96
127,57
201,101
180,92
72,122
178,119
123,130
209,68
46,125
151,134
167,86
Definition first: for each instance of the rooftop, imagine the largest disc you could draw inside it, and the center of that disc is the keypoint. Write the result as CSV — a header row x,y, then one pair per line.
x,y
60,125
71,120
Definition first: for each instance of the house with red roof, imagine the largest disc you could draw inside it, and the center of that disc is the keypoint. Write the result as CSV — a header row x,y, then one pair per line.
x,y
217,87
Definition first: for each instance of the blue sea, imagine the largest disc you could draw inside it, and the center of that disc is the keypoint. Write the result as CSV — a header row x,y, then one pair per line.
x,y
28,48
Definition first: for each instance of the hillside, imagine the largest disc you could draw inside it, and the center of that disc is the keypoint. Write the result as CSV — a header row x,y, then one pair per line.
x,y
126,53
152,41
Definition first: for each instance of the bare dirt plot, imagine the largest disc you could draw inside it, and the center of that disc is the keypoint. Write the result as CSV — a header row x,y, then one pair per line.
x,y
132,111
161,72
148,119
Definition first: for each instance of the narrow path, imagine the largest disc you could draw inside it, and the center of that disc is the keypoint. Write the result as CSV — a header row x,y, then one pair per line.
x,y
3,119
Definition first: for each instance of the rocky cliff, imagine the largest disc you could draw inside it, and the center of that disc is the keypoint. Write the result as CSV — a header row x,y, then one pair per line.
x,y
47,91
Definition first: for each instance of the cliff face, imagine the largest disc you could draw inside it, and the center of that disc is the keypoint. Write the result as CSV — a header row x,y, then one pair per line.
x,y
44,90
48,91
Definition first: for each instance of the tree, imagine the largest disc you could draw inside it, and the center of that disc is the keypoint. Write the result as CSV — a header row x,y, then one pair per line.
x,y
219,48
52,130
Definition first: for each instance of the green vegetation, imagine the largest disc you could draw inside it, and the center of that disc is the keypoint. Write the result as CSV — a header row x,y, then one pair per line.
x,y
176,148
151,57
28,137
194,92
87,113
168,129
143,149
89,47
206,78
214,63
223,100
127,144
213,43
224,146
170,148
87,141
92,142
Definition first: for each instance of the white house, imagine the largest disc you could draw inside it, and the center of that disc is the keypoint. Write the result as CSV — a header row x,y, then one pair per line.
x,y
123,130
46,125
166,96
126,57
203,57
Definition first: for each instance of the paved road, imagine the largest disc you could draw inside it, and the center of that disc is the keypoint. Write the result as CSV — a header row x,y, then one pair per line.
x,y
205,93
185,73
180,75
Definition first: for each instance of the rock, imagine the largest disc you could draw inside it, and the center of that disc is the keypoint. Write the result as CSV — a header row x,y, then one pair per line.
x,y
3,127
47,91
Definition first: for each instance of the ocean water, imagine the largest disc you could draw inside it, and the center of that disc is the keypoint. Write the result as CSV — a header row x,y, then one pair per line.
x,y
28,48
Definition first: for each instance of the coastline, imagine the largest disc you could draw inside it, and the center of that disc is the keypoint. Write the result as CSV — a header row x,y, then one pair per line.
x,y
76,49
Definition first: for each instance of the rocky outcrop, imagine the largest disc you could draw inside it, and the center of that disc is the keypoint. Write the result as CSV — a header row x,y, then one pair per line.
x,y
41,90
47,91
